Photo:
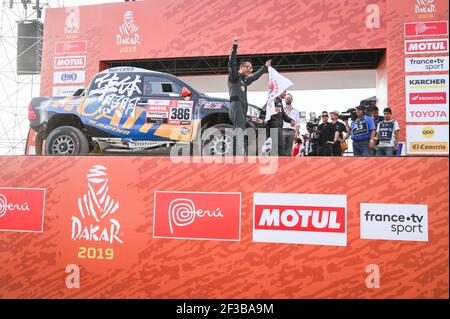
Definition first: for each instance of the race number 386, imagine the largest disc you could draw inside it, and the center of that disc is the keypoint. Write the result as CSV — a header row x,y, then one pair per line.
x,y
178,113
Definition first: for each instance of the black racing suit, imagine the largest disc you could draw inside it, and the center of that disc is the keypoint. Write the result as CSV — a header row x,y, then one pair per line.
x,y
237,88
276,121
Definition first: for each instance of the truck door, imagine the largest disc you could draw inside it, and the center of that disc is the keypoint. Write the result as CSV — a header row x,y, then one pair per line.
x,y
168,114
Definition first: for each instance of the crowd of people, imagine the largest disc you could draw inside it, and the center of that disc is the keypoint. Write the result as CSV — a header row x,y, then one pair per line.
x,y
370,133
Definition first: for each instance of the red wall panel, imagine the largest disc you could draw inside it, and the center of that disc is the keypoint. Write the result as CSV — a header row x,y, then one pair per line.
x,y
33,264
180,28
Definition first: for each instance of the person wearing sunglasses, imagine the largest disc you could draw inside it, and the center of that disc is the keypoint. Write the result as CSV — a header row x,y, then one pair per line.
x,y
327,136
238,81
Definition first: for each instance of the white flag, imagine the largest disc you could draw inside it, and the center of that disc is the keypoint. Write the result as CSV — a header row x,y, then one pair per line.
x,y
277,85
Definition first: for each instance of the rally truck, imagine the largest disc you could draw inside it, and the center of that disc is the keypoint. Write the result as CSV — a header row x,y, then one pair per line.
x,y
130,110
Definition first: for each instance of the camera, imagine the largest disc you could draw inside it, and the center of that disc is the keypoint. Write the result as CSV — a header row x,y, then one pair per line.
x,y
349,114
313,121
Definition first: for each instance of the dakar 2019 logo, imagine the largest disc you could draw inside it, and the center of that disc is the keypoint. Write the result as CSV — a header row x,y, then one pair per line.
x,y
128,38
97,224
72,22
425,6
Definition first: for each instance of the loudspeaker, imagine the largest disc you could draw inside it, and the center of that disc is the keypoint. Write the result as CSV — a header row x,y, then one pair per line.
x,y
29,47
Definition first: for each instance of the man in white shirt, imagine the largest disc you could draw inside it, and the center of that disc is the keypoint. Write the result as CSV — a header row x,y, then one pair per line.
x,y
288,130
387,135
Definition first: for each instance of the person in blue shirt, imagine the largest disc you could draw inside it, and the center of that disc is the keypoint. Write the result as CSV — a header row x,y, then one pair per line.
x,y
362,131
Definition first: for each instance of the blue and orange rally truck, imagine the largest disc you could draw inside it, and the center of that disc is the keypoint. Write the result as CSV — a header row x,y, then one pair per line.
x,y
130,110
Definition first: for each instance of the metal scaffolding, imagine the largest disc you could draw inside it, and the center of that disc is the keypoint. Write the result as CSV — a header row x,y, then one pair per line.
x,y
285,62
15,90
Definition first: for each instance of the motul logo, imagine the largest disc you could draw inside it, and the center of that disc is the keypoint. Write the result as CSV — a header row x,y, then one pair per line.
x,y
426,46
428,98
70,62
300,218
303,218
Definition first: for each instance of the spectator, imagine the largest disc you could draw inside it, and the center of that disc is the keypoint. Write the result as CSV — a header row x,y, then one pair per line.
x,y
341,128
387,135
362,131
288,130
375,116
376,119
327,136
277,120
299,149
311,140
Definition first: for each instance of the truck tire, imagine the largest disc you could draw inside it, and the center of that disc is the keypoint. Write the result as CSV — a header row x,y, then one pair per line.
x,y
220,143
66,141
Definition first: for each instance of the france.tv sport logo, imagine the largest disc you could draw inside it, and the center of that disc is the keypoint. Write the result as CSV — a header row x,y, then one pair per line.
x,y
394,222
197,215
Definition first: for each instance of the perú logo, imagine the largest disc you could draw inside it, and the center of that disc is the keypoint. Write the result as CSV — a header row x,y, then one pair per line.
x,y
197,215
96,208
128,30
425,6
422,28
182,212
72,23
5,206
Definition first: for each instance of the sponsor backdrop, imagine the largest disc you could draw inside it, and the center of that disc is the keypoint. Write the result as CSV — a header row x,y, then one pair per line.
x,y
413,32
426,71
122,220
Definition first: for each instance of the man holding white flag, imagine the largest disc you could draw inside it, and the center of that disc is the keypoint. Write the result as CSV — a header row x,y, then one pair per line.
x,y
275,115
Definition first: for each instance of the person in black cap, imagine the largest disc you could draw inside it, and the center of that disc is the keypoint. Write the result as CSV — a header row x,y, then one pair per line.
x,y
237,87
362,131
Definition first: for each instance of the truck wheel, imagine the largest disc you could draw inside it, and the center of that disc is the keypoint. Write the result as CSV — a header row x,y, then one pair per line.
x,y
66,140
218,141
